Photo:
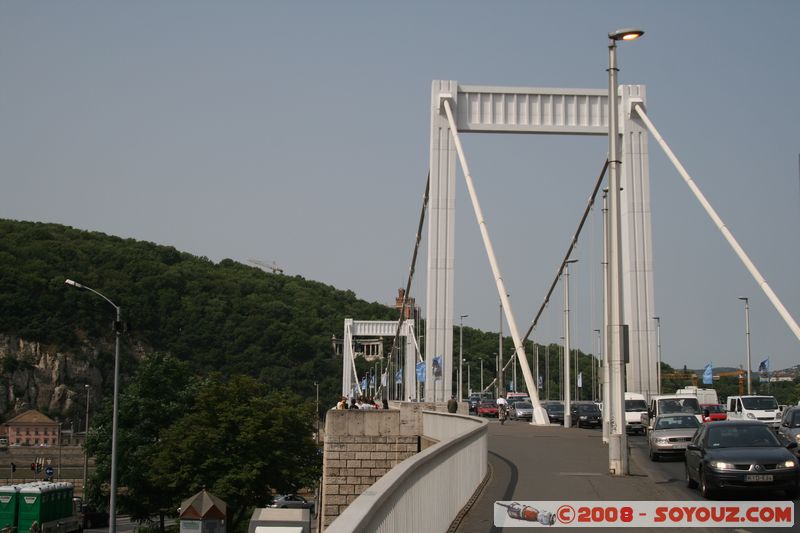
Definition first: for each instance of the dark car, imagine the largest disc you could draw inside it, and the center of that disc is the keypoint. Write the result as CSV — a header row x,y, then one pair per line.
x,y
586,415
291,501
92,518
555,411
740,454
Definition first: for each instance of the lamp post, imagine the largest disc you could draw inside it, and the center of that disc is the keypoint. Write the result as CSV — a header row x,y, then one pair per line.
x,y
469,381
567,350
747,338
461,356
617,448
85,449
658,351
597,357
112,506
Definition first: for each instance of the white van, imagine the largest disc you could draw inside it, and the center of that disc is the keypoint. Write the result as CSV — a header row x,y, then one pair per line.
x,y
704,396
666,404
764,408
635,407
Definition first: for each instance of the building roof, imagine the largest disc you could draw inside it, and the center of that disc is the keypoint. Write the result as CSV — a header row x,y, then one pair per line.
x,y
202,506
31,417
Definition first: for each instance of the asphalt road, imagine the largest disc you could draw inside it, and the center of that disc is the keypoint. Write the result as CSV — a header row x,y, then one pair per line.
x,y
529,463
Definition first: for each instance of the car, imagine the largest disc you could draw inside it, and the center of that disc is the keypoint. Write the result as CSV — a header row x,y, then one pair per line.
x,y
735,454
555,411
521,410
713,412
671,434
586,415
476,398
92,518
291,501
487,408
789,430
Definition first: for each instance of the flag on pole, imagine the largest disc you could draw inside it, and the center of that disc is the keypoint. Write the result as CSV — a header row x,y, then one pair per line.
x,y
437,367
764,366
383,379
364,383
420,368
580,380
540,381
708,375
398,376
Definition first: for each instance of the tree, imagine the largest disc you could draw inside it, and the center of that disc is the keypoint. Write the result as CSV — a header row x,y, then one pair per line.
x,y
160,393
242,443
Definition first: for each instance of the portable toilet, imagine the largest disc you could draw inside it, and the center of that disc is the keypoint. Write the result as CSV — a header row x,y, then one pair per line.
x,y
203,513
9,505
30,506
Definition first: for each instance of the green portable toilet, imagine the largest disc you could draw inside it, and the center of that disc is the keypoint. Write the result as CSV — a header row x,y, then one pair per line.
x,y
9,505
30,506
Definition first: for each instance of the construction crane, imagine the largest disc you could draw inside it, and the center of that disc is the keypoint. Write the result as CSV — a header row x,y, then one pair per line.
x,y
266,266
740,373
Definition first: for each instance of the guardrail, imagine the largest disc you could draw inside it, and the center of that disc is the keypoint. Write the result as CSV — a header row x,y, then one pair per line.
x,y
427,491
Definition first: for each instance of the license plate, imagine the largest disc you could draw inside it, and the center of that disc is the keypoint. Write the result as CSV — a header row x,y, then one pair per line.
x,y
758,477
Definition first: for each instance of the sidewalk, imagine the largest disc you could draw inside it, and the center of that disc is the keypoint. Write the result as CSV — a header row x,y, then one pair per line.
x,y
532,463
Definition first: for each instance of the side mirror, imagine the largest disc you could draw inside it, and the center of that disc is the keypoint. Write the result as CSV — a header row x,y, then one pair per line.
x,y
791,446
694,447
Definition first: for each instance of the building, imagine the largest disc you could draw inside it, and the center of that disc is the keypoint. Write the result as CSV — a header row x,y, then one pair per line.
x,y
31,428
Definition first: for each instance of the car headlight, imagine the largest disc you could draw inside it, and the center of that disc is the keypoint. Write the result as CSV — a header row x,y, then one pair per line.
x,y
584,417
662,441
797,438
719,465
790,463
751,416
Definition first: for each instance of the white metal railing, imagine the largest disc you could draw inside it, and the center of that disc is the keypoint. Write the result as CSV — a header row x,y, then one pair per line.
x,y
426,491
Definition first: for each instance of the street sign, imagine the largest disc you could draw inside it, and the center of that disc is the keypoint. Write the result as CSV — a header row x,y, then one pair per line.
x,y
48,471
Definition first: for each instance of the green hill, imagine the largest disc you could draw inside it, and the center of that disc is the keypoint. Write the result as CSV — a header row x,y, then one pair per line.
x,y
224,317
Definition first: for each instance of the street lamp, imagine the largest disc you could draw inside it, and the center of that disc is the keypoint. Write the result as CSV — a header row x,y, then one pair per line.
x,y
567,350
85,449
658,344
461,356
112,507
617,446
747,338
596,356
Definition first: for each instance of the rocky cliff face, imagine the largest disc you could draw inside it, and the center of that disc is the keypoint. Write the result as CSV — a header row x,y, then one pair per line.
x,y
37,376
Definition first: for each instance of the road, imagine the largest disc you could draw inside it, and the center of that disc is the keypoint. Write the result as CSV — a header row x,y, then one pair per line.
x,y
532,463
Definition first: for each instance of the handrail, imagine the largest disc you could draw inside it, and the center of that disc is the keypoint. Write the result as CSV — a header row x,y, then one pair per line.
x,y
426,491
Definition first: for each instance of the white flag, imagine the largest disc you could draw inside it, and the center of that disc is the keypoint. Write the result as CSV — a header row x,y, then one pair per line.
x,y
580,380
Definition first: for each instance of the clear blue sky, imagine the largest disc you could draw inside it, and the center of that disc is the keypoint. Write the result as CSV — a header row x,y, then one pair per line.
x,y
298,132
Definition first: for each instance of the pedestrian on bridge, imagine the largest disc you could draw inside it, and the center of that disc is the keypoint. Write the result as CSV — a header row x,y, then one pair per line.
x,y
452,405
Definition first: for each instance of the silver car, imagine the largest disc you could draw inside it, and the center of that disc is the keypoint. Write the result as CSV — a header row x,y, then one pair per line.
x,y
671,434
520,410
789,430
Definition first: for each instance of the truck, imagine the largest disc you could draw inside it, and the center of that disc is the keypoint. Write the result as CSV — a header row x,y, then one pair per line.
x,y
763,408
635,406
704,396
38,507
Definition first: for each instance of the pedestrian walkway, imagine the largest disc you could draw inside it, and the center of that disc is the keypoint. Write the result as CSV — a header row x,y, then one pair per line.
x,y
534,463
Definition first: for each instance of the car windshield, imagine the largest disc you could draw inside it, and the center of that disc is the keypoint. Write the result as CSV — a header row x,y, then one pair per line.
x,y
677,422
488,404
760,403
588,409
714,408
741,436
554,408
679,405
523,405
635,406
795,420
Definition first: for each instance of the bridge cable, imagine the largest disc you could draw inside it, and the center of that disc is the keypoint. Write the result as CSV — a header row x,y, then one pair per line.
x,y
762,283
411,270
571,247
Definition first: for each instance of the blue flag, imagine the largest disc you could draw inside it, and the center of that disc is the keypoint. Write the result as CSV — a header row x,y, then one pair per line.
x,y
420,372
540,381
764,366
437,367
364,383
708,375
398,377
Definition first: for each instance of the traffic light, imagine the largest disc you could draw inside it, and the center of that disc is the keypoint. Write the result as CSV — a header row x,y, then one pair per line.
x,y
13,468
33,467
